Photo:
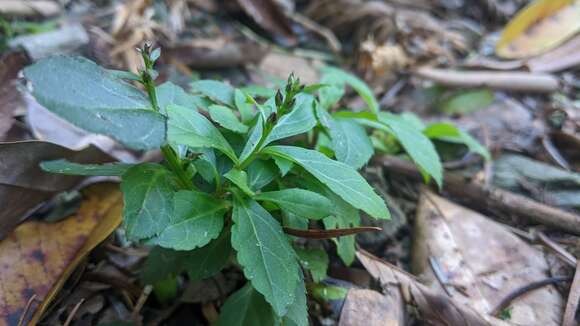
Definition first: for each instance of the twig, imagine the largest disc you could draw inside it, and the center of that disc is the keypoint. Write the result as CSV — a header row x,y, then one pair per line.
x,y
558,250
491,197
573,300
511,81
141,301
73,312
525,289
26,308
328,234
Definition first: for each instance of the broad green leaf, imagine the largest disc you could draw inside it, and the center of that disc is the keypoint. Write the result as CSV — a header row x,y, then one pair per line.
x,y
240,179
208,260
261,173
197,219
246,307
300,120
341,77
162,263
339,177
283,164
416,144
169,93
253,139
297,314
331,94
226,118
267,258
316,261
70,168
301,202
216,90
350,143
244,105
345,216
92,98
188,127
466,101
450,133
148,194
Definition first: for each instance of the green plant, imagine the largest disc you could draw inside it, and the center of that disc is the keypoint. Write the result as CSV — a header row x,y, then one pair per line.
x,y
230,185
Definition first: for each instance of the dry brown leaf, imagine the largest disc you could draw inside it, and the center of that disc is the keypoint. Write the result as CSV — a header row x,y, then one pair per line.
x,y
482,260
371,308
563,57
539,27
380,60
37,258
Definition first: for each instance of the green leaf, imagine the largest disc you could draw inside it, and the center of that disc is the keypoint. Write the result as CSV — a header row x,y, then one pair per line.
x,y
301,202
169,93
148,194
244,105
207,261
300,120
226,118
79,91
416,144
267,258
188,127
466,101
297,314
161,264
350,143
341,77
283,164
294,221
246,307
260,174
216,90
339,177
316,261
206,165
331,94
197,219
254,138
448,132
166,290
240,179
328,292
70,168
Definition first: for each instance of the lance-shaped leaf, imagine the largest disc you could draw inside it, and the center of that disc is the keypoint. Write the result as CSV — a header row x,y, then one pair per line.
x,y
339,177
226,118
188,127
70,168
197,218
240,179
253,139
148,194
246,307
261,173
267,258
297,314
340,77
92,98
169,93
300,120
350,142
301,202
216,90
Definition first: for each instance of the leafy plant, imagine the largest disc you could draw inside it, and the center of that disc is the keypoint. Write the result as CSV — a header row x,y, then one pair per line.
x,y
237,173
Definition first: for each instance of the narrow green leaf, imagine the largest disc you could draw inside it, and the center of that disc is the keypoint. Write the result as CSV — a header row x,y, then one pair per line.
x,y
316,261
244,105
297,314
448,132
240,179
342,77
267,258
216,90
260,174
301,202
148,194
253,139
226,118
70,168
300,120
339,177
188,127
92,98
466,101
416,144
208,260
197,219
283,164
246,307
350,143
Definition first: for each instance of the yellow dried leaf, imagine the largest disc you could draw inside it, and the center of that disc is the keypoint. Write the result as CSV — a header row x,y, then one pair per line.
x,y
539,27
37,258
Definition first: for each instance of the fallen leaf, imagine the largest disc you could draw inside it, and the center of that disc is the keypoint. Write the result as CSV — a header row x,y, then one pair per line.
x,y
24,186
37,258
561,58
67,39
370,308
454,237
539,27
